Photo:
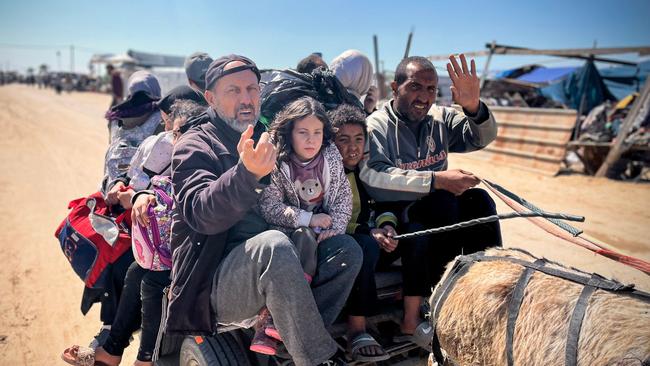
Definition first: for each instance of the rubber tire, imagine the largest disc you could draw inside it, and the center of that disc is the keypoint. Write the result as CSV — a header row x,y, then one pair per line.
x,y
219,350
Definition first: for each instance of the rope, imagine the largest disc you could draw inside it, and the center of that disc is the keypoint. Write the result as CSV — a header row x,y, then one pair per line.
x,y
486,219
519,205
548,221
562,225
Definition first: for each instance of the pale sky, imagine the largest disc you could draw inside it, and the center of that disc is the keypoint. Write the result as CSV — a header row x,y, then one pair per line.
x,y
276,34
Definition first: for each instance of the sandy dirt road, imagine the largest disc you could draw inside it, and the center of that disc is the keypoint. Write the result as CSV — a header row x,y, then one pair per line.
x,y
51,151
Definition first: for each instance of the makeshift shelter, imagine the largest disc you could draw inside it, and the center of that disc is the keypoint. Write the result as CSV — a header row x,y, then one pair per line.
x,y
582,90
546,75
625,80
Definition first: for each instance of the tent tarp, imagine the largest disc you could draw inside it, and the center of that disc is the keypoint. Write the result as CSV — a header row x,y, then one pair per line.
x,y
625,80
582,90
545,75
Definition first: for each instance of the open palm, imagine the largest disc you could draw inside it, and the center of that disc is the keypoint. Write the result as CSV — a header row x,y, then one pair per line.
x,y
465,88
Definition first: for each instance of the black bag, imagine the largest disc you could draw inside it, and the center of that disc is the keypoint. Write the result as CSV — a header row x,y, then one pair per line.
x,y
281,87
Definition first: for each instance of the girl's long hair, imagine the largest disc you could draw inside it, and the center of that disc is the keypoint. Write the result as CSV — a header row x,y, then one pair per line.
x,y
282,125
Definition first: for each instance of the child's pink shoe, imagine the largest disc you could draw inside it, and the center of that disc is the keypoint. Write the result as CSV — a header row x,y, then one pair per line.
x,y
266,323
263,344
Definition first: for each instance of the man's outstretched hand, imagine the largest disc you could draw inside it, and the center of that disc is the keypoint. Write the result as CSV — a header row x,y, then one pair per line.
x,y
465,89
455,181
259,160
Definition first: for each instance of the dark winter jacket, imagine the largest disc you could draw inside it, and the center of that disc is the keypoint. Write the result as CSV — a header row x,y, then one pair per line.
x,y
213,192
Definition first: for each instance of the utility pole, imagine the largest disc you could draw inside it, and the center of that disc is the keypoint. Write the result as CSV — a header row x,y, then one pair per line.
x,y
72,58
58,60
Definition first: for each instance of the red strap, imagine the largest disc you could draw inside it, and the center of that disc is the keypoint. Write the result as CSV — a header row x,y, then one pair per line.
x,y
75,203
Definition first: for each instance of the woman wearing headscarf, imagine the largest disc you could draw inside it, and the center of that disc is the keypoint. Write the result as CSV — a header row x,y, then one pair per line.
x,y
354,70
131,121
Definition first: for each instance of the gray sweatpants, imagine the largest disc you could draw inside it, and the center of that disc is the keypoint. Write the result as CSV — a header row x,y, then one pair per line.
x,y
266,270
306,244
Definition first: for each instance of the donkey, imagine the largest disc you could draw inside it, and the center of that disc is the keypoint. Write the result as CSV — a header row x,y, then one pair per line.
x,y
555,316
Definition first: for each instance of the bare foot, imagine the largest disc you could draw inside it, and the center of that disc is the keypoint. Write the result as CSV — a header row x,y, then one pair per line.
x,y
108,359
411,314
408,326
142,363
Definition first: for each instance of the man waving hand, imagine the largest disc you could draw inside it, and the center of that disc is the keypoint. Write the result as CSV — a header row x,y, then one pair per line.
x,y
409,140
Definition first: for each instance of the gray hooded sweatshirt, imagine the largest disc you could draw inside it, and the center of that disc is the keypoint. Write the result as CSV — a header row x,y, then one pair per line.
x,y
401,165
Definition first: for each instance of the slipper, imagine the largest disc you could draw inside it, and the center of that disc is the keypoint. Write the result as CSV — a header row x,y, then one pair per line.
x,y
79,356
422,336
362,340
101,337
266,322
263,344
402,338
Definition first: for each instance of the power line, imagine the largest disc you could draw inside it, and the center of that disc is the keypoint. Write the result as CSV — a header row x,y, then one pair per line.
x,y
49,47
33,46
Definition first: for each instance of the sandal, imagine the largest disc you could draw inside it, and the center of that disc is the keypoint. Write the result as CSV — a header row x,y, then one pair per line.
x,y
422,335
266,322
270,329
79,356
263,344
362,340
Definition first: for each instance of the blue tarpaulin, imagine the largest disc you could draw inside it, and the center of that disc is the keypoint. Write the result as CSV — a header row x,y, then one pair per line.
x,y
581,90
625,80
620,80
545,75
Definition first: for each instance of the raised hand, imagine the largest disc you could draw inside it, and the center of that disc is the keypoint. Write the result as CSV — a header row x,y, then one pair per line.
x,y
465,89
259,160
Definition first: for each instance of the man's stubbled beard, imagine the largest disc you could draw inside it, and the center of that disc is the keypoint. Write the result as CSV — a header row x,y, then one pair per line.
x,y
236,124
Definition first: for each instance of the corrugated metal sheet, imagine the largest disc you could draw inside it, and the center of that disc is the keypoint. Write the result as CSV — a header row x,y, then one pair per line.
x,y
530,138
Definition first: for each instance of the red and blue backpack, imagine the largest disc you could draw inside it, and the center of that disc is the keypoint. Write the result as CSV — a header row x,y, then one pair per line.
x,y
92,238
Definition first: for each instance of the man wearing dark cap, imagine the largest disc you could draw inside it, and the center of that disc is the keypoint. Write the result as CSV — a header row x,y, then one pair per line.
x,y
196,65
227,265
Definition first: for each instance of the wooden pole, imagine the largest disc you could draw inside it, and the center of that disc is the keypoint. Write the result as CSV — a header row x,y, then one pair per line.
x,y
378,75
487,64
619,147
408,44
